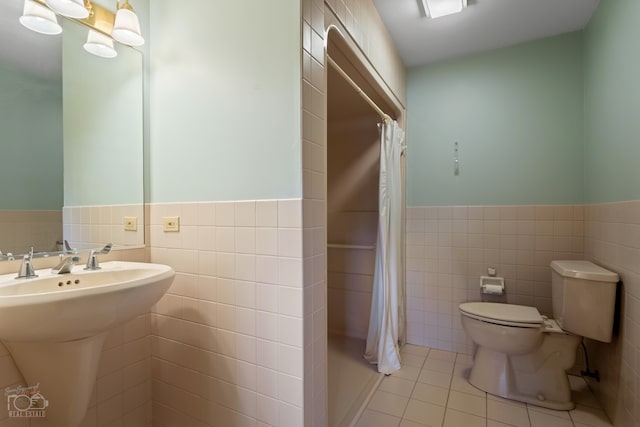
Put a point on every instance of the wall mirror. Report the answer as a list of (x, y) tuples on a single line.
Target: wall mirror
[(71, 126)]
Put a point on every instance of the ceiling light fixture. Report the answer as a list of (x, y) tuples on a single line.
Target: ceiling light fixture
[(126, 28), (69, 8), (39, 18), (104, 25), (437, 8), (100, 45)]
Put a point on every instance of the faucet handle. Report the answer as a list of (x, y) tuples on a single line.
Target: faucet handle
[(26, 268), (92, 261), (68, 248)]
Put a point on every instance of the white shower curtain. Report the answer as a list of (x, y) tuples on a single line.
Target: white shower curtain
[(387, 302)]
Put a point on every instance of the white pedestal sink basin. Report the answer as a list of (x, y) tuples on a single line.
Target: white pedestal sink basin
[(55, 325)]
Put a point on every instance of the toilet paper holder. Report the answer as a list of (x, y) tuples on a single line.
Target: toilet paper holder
[(491, 284)]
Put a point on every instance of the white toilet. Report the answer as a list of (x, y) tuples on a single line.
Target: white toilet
[(524, 356)]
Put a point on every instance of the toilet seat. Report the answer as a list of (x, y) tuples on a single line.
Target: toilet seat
[(503, 314)]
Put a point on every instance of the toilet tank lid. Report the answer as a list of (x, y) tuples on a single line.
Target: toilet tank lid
[(584, 270), (503, 312)]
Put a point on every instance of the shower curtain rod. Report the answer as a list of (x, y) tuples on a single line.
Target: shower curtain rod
[(364, 96)]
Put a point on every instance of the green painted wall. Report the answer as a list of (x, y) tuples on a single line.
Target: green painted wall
[(612, 103), (103, 124), (31, 141), (225, 101), (517, 114)]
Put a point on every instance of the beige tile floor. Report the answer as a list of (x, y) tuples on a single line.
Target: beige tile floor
[(431, 389)]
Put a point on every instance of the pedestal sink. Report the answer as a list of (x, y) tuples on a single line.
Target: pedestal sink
[(55, 325)]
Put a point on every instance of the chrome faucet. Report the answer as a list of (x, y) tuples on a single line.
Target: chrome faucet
[(68, 249), (92, 261), (65, 264), (26, 268)]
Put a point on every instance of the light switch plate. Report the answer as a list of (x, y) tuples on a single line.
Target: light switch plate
[(171, 223), (130, 223)]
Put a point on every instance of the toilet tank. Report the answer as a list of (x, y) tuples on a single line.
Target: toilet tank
[(584, 298)]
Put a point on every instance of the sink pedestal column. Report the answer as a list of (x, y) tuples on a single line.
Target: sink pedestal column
[(66, 372)]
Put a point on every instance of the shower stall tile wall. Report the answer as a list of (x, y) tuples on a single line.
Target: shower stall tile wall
[(450, 247), (353, 165)]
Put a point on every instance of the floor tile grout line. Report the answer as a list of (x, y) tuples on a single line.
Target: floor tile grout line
[(450, 384), (415, 381)]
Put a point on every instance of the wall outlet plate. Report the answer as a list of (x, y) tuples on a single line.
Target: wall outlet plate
[(130, 223), (171, 223)]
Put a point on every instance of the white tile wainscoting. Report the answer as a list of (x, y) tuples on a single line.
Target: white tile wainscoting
[(450, 247)]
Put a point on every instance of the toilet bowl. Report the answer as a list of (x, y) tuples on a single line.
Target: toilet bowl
[(524, 356), (520, 354)]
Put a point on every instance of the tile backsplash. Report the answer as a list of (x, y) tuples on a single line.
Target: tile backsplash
[(450, 247), (93, 226), (21, 229)]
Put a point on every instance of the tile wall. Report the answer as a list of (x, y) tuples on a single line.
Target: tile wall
[(92, 226), (363, 24), (227, 339), (612, 239), (245, 320), (349, 290), (314, 216), (450, 247), (23, 229), (121, 395), (353, 162)]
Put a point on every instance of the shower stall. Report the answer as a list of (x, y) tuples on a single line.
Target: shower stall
[(353, 184)]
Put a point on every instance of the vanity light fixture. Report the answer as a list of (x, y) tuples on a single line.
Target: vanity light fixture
[(438, 8), (104, 25), (126, 27), (100, 45), (69, 8), (39, 18)]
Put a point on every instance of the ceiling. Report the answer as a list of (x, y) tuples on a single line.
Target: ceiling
[(482, 26)]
